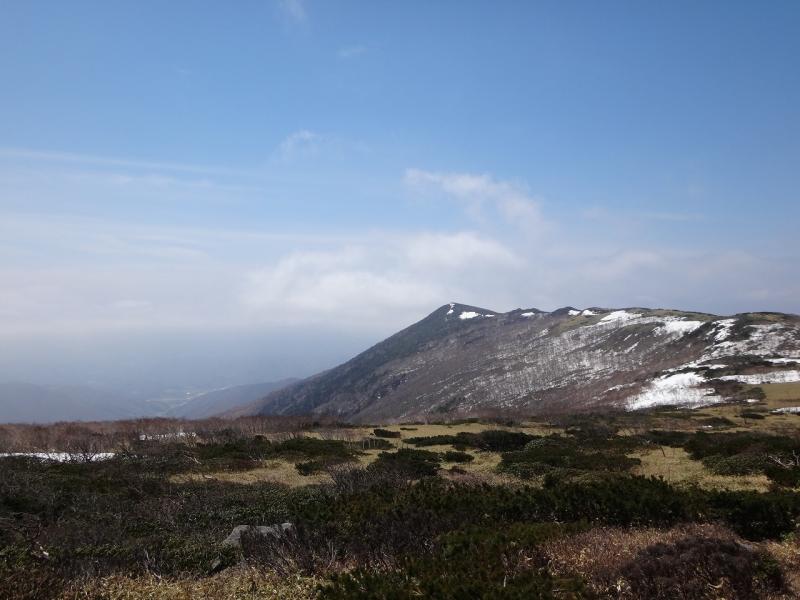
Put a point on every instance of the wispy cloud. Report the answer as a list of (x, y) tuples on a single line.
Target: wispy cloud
[(477, 192), (349, 52), (106, 161), (294, 9), (302, 142)]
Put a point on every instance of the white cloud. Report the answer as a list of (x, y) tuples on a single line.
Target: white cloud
[(299, 143), (294, 9), (479, 193), (391, 278), (351, 52)]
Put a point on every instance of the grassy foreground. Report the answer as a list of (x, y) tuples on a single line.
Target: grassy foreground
[(667, 504)]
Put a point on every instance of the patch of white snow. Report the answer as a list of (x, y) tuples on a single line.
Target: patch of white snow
[(468, 314), (62, 456), (773, 377), (682, 389), (619, 315), (677, 326)]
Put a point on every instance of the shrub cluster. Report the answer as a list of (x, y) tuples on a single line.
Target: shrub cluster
[(385, 433), (555, 453), (492, 440)]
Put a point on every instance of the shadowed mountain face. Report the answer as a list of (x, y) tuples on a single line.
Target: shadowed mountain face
[(468, 360)]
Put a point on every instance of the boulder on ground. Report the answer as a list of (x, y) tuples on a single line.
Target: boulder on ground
[(235, 538)]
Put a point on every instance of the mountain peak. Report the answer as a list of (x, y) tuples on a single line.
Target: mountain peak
[(464, 359)]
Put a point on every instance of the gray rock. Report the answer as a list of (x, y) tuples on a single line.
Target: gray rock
[(235, 538)]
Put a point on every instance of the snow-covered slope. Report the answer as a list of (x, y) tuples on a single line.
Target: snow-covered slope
[(467, 360)]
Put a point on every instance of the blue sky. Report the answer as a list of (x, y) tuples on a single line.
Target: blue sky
[(340, 169)]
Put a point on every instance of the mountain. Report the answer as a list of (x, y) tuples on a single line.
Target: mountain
[(467, 360), (223, 400), (30, 403)]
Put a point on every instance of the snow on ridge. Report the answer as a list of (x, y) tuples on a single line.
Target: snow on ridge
[(452, 306), (677, 326), (772, 377), (528, 314), (588, 313), (761, 340), (574, 313), (619, 315), (62, 456), (723, 329), (679, 389)]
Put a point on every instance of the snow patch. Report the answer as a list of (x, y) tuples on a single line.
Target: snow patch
[(574, 313), (62, 456), (773, 377), (528, 314), (588, 313), (788, 409), (722, 329), (468, 314), (677, 326), (452, 306), (680, 389), (619, 315)]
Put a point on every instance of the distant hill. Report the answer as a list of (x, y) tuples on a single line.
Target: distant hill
[(30, 403), (466, 360), (220, 401)]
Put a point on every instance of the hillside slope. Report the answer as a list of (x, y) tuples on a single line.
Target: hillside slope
[(466, 360)]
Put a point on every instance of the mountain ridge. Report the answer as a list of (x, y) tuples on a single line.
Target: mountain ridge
[(461, 359)]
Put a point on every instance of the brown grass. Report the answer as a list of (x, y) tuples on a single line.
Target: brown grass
[(675, 466), (241, 583), (598, 555), (274, 471)]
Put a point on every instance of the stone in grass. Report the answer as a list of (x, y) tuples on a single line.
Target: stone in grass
[(234, 540)]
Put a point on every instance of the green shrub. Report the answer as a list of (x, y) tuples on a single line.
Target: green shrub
[(408, 462), (385, 433), (459, 457), (546, 455), (702, 444), (737, 464), (492, 440), (749, 414), (783, 476)]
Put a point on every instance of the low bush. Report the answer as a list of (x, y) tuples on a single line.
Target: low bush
[(385, 433), (409, 462), (491, 440), (691, 568), (737, 464), (786, 477), (702, 444), (547, 455), (749, 414), (459, 457)]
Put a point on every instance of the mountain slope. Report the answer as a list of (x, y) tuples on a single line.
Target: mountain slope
[(463, 360), (223, 400)]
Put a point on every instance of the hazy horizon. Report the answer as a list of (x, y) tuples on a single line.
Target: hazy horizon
[(193, 196)]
